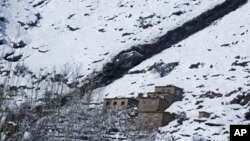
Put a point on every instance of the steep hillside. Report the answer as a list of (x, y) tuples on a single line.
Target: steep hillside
[(213, 68), (44, 39), (91, 32)]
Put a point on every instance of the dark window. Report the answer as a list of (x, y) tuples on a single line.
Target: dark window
[(107, 103), (115, 103), (123, 103)]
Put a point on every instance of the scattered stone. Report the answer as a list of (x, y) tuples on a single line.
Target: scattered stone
[(214, 124), (162, 68), (72, 28), (211, 95), (243, 64), (195, 66)]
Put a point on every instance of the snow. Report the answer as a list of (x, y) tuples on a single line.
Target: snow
[(26, 136)]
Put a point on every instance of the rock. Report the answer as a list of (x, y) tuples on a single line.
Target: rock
[(243, 64), (241, 99), (162, 68), (247, 115), (211, 95), (137, 71), (178, 13), (14, 58), (128, 60), (72, 28), (214, 124), (126, 34), (195, 66)]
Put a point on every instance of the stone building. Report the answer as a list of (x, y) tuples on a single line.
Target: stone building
[(120, 103), (157, 119), (151, 108), (153, 104), (169, 92)]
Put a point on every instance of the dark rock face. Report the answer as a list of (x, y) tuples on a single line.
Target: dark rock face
[(2, 19), (214, 124), (242, 100), (247, 115), (9, 57), (116, 69), (211, 95), (195, 66), (162, 68), (20, 44), (128, 59), (242, 64)]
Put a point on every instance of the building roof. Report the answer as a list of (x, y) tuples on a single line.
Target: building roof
[(168, 86), (154, 112), (149, 98), (122, 98)]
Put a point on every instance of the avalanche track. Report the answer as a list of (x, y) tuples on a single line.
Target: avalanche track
[(127, 59)]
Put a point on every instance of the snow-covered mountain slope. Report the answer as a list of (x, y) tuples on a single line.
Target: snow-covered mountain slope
[(91, 32), (213, 60), (45, 35), (212, 66)]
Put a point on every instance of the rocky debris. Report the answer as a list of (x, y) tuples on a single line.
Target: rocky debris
[(2, 41), (20, 44), (36, 21), (162, 68), (70, 16), (127, 60), (32, 23), (2, 19), (97, 61), (242, 100), (43, 51), (200, 120), (200, 86), (211, 95), (247, 115), (242, 64), (214, 124), (102, 30), (137, 71), (72, 28), (196, 66), (39, 3), (144, 22), (199, 128), (72, 84), (225, 45), (12, 58), (178, 13), (233, 92), (126, 34)]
